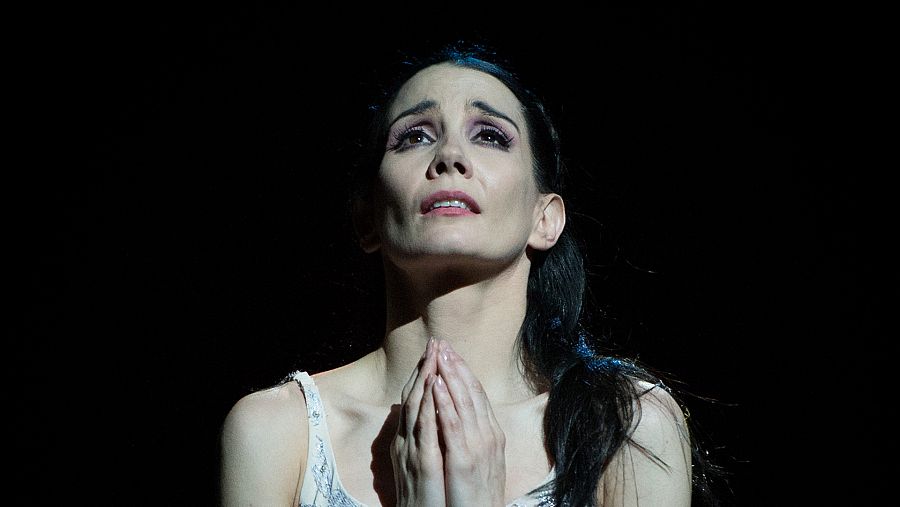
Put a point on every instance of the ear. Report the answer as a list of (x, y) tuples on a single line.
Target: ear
[(364, 225), (551, 220)]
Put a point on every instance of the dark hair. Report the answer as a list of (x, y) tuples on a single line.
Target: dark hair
[(592, 396)]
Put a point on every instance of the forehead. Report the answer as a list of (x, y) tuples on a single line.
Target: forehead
[(452, 86)]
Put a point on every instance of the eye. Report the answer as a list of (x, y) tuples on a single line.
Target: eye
[(492, 136), (410, 138), (416, 137)]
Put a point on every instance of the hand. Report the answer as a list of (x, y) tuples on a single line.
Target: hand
[(474, 445), (415, 450)]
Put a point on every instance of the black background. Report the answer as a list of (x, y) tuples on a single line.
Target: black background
[(180, 222)]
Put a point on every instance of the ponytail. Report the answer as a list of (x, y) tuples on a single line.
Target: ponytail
[(590, 410)]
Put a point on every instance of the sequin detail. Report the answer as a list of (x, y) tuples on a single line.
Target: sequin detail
[(323, 474), (313, 402), (541, 496), (545, 499)]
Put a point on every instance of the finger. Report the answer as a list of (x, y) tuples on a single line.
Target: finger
[(426, 421), (447, 418), (465, 390), (402, 419), (410, 405), (412, 377)]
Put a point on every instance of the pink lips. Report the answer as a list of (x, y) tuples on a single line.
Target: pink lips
[(449, 195)]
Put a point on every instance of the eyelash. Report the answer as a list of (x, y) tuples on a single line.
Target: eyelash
[(502, 143), (403, 135)]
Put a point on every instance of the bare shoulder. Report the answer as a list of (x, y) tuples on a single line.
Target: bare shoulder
[(264, 444), (658, 410), (272, 413), (654, 468), (660, 423)]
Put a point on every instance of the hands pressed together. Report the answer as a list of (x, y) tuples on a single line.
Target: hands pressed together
[(449, 449)]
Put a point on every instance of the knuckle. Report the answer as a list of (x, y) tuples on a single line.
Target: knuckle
[(465, 467), (418, 430), (428, 456), (398, 457), (454, 426)]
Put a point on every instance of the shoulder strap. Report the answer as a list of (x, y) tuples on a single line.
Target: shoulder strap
[(323, 486), (314, 409)]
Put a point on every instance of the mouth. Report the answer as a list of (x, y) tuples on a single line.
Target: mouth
[(450, 202)]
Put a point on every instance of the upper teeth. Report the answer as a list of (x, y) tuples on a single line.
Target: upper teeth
[(454, 203)]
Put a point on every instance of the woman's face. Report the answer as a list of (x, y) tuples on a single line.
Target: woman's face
[(457, 130)]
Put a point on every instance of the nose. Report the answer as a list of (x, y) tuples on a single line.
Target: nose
[(450, 156)]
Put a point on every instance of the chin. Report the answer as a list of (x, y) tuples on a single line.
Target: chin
[(452, 258)]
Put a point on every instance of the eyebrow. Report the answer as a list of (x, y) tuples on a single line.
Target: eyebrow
[(490, 111), (427, 105), (419, 108)]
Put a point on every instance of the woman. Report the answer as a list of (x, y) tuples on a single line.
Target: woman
[(485, 390)]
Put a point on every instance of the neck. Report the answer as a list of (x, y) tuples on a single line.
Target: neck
[(480, 316)]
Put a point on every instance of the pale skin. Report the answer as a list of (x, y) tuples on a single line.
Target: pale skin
[(449, 421)]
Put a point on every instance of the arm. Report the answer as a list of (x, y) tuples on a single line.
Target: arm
[(635, 476), (264, 446)]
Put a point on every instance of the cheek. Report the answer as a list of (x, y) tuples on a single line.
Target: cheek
[(395, 186), (403, 172), (516, 194), (512, 175), (391, 183)]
